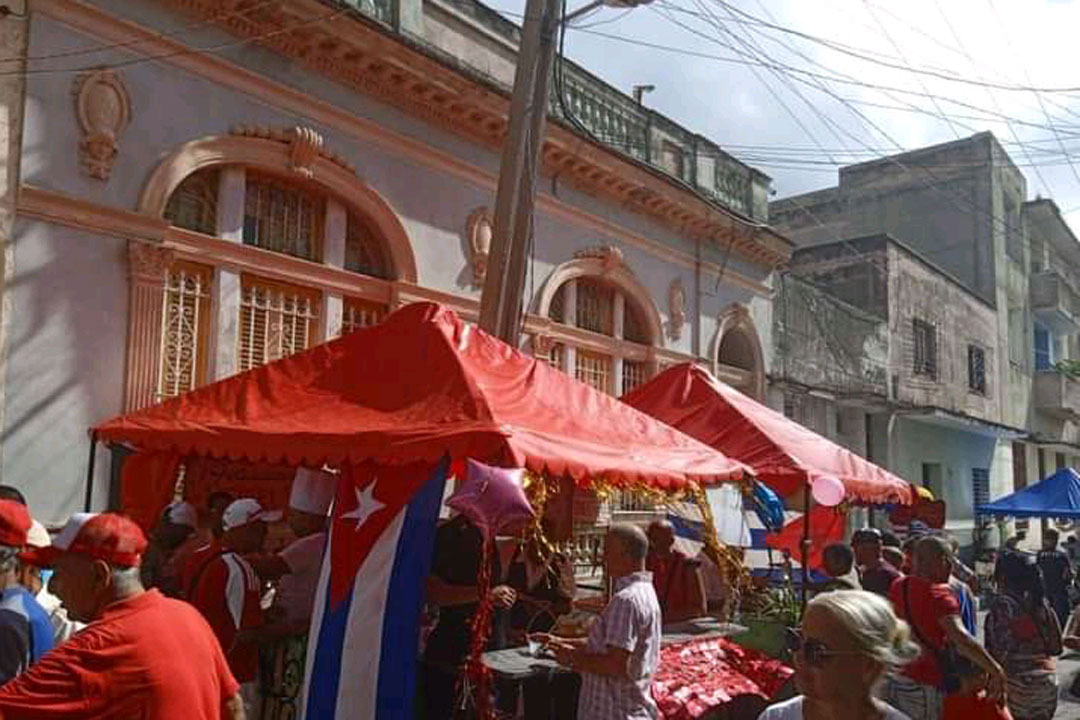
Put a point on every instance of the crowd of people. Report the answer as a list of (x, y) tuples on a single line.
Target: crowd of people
[(100, 622), (891, 634)]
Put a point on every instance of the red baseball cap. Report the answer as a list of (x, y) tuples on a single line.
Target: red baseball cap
[(14, 523), (102, 536)]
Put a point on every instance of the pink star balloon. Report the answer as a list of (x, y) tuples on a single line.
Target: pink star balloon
[(492, 498)]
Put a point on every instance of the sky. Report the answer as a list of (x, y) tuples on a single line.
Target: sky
[(798, 88)]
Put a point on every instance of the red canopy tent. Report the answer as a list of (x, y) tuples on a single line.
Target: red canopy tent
[(418, 386), (783, 454)]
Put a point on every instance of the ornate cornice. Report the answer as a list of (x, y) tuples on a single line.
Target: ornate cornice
[(370, 60), (304, 143)]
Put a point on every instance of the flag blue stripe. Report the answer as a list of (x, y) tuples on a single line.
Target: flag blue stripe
[(326, 670), (408, 578)]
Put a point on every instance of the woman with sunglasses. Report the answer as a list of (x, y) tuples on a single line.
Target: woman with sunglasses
[(849, 639)]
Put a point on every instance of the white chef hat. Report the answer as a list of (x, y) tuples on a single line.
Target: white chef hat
[(312, 491)]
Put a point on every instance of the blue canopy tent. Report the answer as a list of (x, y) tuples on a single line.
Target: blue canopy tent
[(1058, 496)]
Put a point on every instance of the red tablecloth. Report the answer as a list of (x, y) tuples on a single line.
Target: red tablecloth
[(700, 675)]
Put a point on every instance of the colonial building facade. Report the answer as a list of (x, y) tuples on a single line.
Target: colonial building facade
[(206, 186)]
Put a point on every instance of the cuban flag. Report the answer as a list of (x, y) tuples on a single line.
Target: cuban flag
[(364, 637)]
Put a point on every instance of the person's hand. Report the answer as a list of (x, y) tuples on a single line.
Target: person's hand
[(564, 654), (504, 596), (545, 639), (996, 687)]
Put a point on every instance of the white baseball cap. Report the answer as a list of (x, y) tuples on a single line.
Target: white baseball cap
[(246, 511), (182, 513), (38, 536), (312, 491)]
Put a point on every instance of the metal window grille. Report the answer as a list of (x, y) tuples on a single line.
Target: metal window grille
[(555, 356), (356, 314), (363, 251), (280, 218), (185, 312), (275, 321), (980, 485), (593, 369), (595, 306), (634, 373), (925, 347), (193, 204), (976, 369)]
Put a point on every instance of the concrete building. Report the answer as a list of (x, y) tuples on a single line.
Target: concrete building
[(972, 427), (195, 187)]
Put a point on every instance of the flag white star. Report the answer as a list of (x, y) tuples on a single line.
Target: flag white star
[(366, 506)]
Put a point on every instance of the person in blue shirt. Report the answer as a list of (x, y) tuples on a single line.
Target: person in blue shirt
[(26, 633)]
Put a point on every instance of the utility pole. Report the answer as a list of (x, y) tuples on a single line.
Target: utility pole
[(504, 285)]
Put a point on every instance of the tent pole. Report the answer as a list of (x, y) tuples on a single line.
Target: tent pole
[(90, 472), (804, 551)]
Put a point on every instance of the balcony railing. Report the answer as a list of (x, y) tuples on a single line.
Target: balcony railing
[(619, 122), (1054, 302), (1057, 394)]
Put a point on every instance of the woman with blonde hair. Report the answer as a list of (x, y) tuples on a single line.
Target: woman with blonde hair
[(849, 640)]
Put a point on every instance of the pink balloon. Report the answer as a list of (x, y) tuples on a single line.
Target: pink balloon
[(828, 491), (492, 498)]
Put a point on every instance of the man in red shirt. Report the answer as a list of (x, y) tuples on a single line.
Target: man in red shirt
[(676, 578), (142, 655), (226, 589), (925, 600)]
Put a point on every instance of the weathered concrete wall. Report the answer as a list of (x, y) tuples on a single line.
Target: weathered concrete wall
[(919, 292)]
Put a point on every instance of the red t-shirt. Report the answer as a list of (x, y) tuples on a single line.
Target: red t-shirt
[(929, 603), (147, 657), (673, 580), (227, 594)]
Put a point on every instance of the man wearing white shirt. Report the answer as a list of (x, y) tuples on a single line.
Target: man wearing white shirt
[(30, 578)]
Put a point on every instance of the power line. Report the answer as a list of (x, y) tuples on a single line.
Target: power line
[(862, 55), (178, 53)]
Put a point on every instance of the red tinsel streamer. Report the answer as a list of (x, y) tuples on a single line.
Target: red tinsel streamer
[(477, 675)]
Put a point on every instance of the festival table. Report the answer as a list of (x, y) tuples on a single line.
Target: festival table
[(700, 669)]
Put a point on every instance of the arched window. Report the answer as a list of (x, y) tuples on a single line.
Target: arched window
[(597, 294), (275, 318), (737, 351)]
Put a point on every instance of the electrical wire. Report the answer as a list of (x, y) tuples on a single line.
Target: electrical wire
[(183, 30)]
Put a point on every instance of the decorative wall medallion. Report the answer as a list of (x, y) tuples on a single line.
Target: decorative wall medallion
[(676, 308), (478, 230), (610, 257), (103, 109)]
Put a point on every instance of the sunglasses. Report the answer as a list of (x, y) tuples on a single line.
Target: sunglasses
[(814, 653)]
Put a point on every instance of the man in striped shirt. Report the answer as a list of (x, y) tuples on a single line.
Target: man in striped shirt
[(620, 657), (226, 589)]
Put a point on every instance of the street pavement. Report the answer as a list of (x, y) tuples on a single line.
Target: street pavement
[(1068, 667)]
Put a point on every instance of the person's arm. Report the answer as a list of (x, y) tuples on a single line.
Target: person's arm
[(612, 662), (970, 648), (234, 708), (1052, 630), (443, 594)]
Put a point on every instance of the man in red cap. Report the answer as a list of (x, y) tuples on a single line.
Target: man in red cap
[(25, 630), (142, 655), (226, 589)]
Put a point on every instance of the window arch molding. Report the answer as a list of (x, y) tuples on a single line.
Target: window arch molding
[(283, 158), (605, 264), (735, 323)]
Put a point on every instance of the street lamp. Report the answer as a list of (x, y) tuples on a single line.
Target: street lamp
[(504, 285)]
